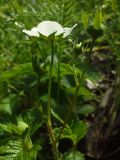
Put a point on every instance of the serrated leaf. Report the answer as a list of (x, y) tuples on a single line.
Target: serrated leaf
[(5, 128), (22, 126), (76, 131), (65, 69), (12, 128), (79, 129), (73, 156), (16, 150)]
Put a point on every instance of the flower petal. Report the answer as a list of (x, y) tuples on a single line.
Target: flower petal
[(46, 28), (68, 30), (32, 32)]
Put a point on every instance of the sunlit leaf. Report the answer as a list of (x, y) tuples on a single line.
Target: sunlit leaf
[(85, 19), (5, 105), (98, 19)]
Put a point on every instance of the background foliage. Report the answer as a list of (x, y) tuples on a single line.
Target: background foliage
[(23, 134)]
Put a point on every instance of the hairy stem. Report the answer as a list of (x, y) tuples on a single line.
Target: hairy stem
[(58, 86), (49, 83), (49, 123)]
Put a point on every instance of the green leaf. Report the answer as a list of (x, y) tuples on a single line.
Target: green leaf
[(85, 19), (86, 109), (76, 131), (19, 70), (85, 93), (16, 147), (93, 74), (22, 125), (98, 19), (65, 69), (19, 150), (73, 156), (34, 119), (57, 116), (79, 129), (11, 150), (82, 92), (5, 105), (14, 129), (5, 128)]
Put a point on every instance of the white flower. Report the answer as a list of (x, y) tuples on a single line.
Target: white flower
[(68, 30), (47, 28), (32, 32)]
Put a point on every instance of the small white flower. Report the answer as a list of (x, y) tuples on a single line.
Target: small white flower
[(32, 32), (91, 85), (18, 24), (47, 28)]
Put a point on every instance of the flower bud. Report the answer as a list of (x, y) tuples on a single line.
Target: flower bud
[(95, 33)]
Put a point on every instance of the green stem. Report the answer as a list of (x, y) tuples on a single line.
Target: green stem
[(49, 83), (58, 86), (53, 141), (92, 45), (37, 92), (74, 101), (49, 123), (72, 106), (74, 150), (91, 48)]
